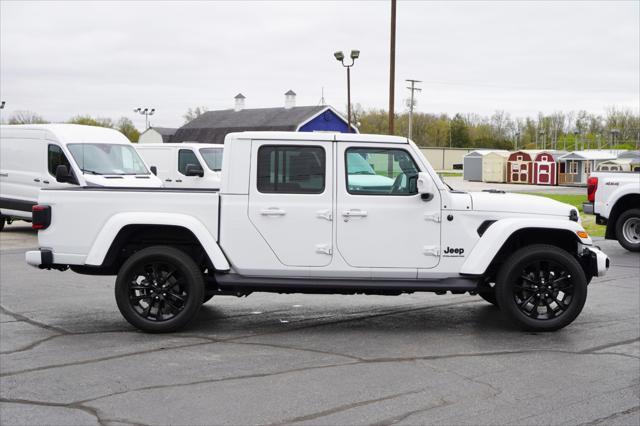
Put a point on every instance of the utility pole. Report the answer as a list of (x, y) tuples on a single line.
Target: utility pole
[(411, 103), (392, 66)]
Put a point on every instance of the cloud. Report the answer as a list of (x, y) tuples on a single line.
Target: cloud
[(106, 58)]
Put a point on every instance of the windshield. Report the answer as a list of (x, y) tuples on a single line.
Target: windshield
[(107, 159), (213, 158), (358, 165)]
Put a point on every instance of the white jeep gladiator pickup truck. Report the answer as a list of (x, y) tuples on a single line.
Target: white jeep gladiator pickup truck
[(320, 213), (614, 197)]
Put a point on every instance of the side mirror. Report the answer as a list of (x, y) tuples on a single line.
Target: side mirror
[(194, 170), (63, 176), (426, 187), (154, 170)]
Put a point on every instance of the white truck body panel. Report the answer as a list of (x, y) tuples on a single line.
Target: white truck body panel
[(612, 186)]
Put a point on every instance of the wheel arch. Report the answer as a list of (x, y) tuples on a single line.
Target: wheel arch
[(625, 202), (506, 236), (127, 233)]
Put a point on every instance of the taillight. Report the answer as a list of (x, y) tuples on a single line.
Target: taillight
[(592, 187), (41, 217)]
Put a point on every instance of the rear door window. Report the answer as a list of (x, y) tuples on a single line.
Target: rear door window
[(290, 169)]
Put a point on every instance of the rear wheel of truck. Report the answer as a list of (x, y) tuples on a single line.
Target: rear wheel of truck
[(159, 289), (1, 223), (541, 288), (628, 229)]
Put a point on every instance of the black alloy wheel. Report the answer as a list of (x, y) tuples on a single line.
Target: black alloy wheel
[(541, 288), (159, 289)]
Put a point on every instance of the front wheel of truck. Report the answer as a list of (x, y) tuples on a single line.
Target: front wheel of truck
[(159, 289), (541, 288)]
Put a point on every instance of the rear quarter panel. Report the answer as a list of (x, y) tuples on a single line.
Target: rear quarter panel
[(79, 216)]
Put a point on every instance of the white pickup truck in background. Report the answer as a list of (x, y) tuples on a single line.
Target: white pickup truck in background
[(320, 213), (614, 197)]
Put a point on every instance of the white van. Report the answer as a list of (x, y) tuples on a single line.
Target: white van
[(184, 165), (31, 156)]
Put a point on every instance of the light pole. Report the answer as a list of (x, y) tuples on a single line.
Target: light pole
[(576, 146), (517, 140), (146, 112), (543, 140), (411, 102), (355, 54)]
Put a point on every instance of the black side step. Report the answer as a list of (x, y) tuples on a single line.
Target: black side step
[(235, 282)]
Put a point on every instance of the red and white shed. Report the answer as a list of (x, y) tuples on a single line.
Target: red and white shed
[(545, 167), (520, 166)]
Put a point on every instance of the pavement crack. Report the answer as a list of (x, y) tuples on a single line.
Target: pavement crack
[(609, 345), (31, 345), (106, 358), (74, 406), (345, 407), (218, 380), (613, 416), (397, 419), (22, 318)]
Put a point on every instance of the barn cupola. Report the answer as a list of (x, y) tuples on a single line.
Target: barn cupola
[(289, 99), (239, 102)]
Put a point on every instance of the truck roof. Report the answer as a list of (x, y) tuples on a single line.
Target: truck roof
[(318, 136), (72, 133), (194, 145)]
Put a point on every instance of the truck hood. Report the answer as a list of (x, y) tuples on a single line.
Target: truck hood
[(519, 203), (124, 181)]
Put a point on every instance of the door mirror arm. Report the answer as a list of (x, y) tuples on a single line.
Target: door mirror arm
[(426, 187), (154, 170)]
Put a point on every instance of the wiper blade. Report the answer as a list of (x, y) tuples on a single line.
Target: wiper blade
[(93, 172)]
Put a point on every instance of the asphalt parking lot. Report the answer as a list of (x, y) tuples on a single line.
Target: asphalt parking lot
[(69, 358)]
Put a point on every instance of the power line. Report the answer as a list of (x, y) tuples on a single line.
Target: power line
[(413, 89)]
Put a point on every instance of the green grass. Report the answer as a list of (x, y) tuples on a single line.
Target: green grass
[(588, 220)]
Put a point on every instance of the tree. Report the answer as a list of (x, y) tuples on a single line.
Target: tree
[(26, 117), (194, 113), (126, 127), (459, 132), (87, 120)]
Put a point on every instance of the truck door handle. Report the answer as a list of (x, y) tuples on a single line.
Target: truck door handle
[(179, 180), (45, 181), (36, 180), (167, 180), (4, 174), (273, 211), (354, 213)]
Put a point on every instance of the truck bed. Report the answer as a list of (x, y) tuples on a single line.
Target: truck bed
[(81, 214)]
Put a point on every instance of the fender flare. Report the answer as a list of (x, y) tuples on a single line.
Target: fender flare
[(616, 196), (118, 221), (499, 232)]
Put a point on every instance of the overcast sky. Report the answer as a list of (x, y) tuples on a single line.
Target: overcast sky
[(60, 59)]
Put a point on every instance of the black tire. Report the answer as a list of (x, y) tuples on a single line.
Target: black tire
[(159, 289), (489, 294), (1, 223), (628, 229), (207, 297), (541, 288)]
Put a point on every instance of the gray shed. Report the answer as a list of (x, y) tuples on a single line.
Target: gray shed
[(472, 164)]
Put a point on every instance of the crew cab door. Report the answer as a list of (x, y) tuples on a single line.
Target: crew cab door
[(291, 200), (382, 221)]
